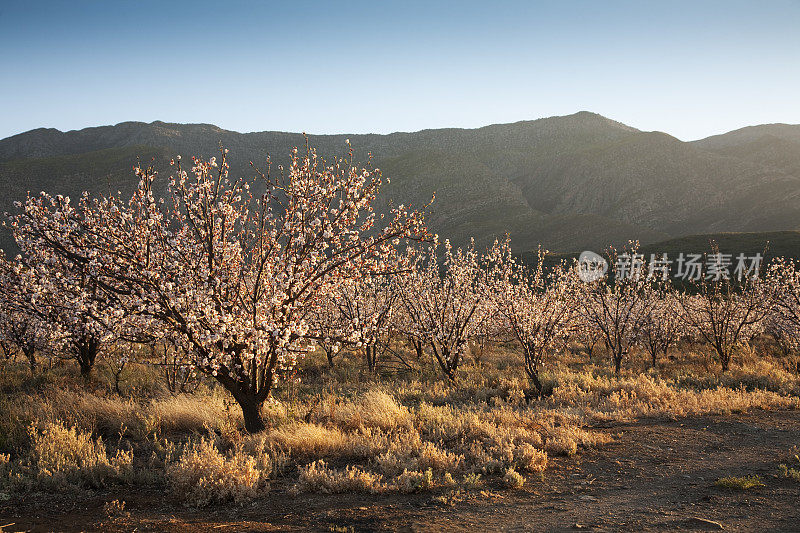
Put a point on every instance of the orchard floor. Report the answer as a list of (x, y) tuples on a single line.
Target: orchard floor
[(657, 475)]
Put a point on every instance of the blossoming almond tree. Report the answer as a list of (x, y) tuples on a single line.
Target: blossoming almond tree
[(663, 325), (616, 307), (445, 303), (230, 275), (59, 286), (20, 326), (368, 304), (329, 328), (724, 313), (537, 307), (783, 320)]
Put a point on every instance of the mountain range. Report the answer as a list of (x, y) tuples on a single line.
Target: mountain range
[(573, 182)]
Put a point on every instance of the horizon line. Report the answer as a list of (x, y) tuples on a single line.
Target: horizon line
[(398, 132)]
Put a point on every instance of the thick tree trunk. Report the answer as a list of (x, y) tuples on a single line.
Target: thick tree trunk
[(87, 354), (534, 377), (249, 401), (86, 369), (251, 411)]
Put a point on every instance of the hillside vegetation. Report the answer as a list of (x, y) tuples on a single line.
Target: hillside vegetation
[(575, 182)]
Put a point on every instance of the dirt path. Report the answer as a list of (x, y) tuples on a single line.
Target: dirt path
[(658, 475)]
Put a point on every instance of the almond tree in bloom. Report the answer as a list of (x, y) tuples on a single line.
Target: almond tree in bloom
[(537, 307), (724, 313), (329, 328), (783, 321), (228, 275), (368, 305), (663, 325), (20, 327), (445, 303), (616, 307), (57, 278)]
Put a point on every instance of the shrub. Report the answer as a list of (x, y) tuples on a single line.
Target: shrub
[(513, 479), (414, 481), (374, 409), (739, 483), (530, 459), (318, 477), (472, 480), (561, 444), (203, 475), (61, 455), (789, 473)]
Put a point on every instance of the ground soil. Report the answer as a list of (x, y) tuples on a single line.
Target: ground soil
[(657, 475)]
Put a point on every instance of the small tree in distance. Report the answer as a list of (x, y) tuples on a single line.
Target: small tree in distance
[(725, 313), (537, 307), (663, 325), (445, 302), (617, 306)]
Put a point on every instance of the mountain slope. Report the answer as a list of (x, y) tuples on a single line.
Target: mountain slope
[(569, 183)]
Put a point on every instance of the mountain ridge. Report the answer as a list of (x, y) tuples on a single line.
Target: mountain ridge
[(579, 180)]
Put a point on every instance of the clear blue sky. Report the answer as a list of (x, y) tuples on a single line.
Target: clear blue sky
[(690, 69)]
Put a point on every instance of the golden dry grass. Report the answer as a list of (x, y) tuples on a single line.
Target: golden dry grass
[(403, 434)]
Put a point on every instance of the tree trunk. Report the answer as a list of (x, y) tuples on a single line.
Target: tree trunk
[(86, 370), (370, 351), (87, 354), (448, 367), (534, 377), (251, 411), (617, 363), (249, 401), (31, 355), (417, 347)]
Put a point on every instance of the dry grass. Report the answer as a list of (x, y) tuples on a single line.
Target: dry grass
[(407, 434), (60, 456), (203, 475), (318, 477)]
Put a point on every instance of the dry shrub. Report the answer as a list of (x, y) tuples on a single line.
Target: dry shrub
[(449, 423), (433, 457), (530, 459), (203, 475), (629, 398), (414, 481), (82, 410), (190, 413), (60, 455), (513, 479), (561, 444), (318, 477), (5, 466)]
